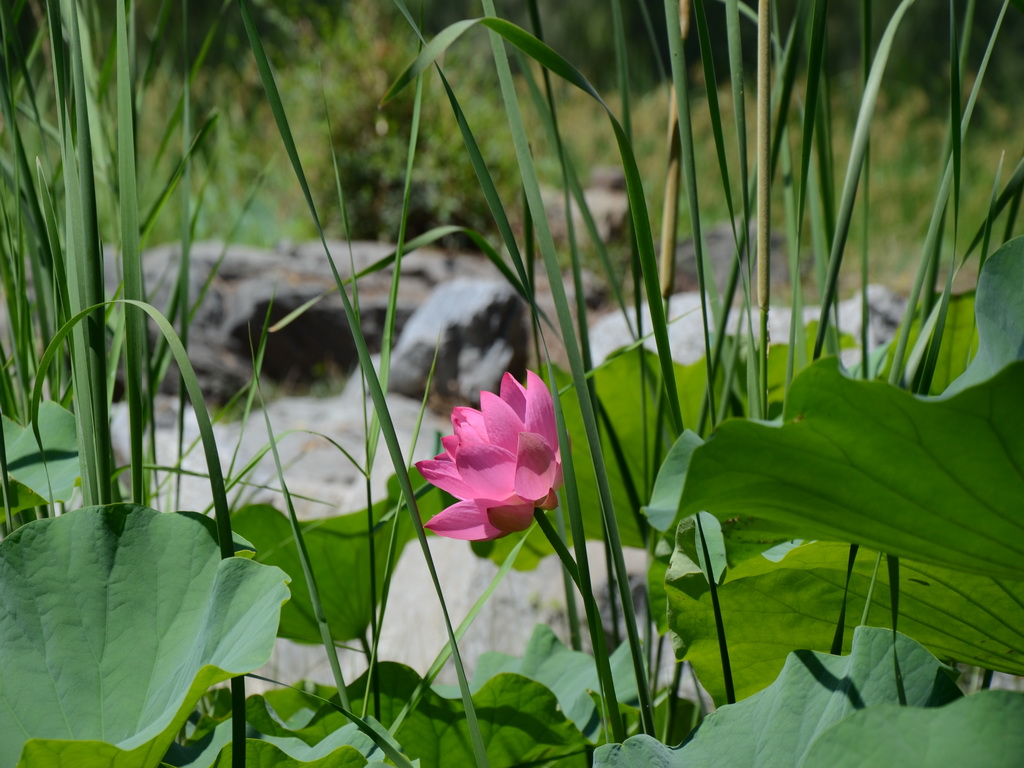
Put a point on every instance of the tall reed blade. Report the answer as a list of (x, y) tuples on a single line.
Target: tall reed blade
[(136, 360), (857, 154), (764, 188), (366, 366)]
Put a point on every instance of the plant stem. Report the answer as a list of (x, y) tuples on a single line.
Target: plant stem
[(764, 183)]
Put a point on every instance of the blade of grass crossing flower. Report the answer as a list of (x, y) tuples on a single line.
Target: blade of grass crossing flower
[(445, 653), (548, 58), (935, 224), (377, 620), (366, 365), (392, 306), (549, 112), (541, 53), (593, 620), (861, 134), (136, 361), (569, 496), (545, 106)]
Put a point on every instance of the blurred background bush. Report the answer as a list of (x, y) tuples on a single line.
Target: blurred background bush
[(341, 56)]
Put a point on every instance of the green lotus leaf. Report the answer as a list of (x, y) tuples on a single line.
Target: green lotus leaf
[(113, 623), (937, 481), (982, 731), (570, 675), (999, 315), (45, 475), (772, 608), (813, 692), (340, 556), (520, 721)]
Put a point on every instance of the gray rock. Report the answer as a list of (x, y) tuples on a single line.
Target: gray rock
[(478, 329), (720, 253), (607, 177), (608, 206), (236, 285), (686, 327)]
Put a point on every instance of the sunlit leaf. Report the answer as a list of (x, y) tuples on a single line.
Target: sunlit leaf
[(115, 620), (773, 608), (937, 481), (340, 555), (813, 692)]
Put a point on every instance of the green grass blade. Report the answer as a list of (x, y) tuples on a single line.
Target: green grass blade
[(172, 182), (547, 57), (675, 41), (1011, 193), (300, 544), (136, 361), (935, 224), (366, 364), (857, 153), (764, 192), (445, 654)]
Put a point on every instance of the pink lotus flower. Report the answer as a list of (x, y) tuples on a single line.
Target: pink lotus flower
[(501, 463)]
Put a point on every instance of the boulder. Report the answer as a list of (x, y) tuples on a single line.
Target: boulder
[(686, 327), (720, 253), (478, 330), (231, 288), (606, 200)]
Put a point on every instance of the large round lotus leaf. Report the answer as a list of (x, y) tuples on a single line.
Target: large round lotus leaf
[(113, 622), (770, 609), (814, 691), (980, 731), (936, 481)]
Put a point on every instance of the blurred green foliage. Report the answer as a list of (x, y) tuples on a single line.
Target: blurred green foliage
[(341, 56)]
